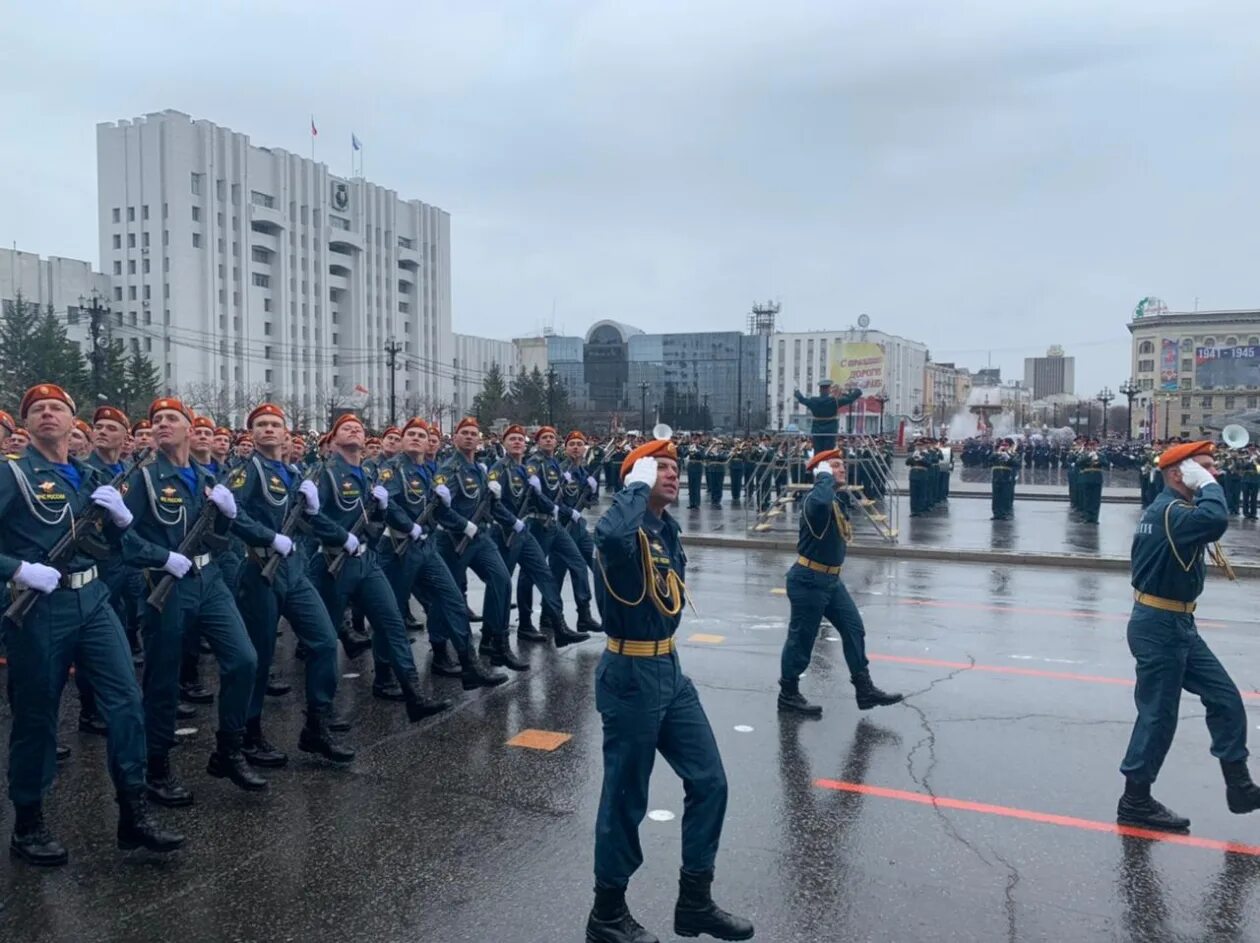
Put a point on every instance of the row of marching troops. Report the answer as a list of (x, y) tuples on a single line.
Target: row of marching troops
[(188, 535), (1238, 471), (931, 466), (1039, 452)]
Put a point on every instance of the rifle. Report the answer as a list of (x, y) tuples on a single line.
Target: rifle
[(200, 533), (292, 520), (66, 546)]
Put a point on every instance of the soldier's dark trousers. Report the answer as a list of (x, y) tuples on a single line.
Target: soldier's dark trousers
[(292, 596), (562, 557), (823, 441), (610, 477), (526, 551), (1172, 657), (737, 479), (63, 627), (581, 535), (814, 596), (362, 582), (919, 501), (716, 477), (1089, 491), (199, 599), (421, 572), (648, 704), (1250, 493), (695, 483), (1233, 493), (483, 558), (1003, 497), (1074, 498)]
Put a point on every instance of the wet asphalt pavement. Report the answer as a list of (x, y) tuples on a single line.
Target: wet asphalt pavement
[(1019, 707)]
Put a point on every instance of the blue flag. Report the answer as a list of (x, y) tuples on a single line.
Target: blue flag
[(354, 142)]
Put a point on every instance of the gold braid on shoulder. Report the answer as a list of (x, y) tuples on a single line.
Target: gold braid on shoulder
[(666, 592)]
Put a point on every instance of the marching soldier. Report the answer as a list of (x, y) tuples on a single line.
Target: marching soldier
[(581, 488), (694, 457), (715, 470), (648, 704), (348, 571), (1168, 573), (1089, 476), (221, 447), (815, 591), (391, 442), (920, 480), (265, 488), (825, 408), (414, 567), (737, 471), (18, 442), (1005, 472), (7, 427), (80, 440), (43, 492), (167, 502), (1250, 482)]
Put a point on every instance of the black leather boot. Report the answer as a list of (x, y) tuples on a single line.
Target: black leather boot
[(196, 693), (354, 644), (137, 828), (610, 920), (547, 620), (277, 687), (227, 762), (695, 912), (444, 666), (501, 655), (256, 749), (32, 841), (384, 687), (793, 702), (419, 706), (586, 622), (868, 695), (92, 722), (63, 753), (473, 676), (1241, 794), (316, 738), (185, 712), (486, 645), (1138, 809), (162, 785), (564, 635), (525, 630), (411, 625), (472, 616)]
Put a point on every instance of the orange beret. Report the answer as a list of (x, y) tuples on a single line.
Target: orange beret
[(266, 409), (203, 422), (543, 430), (468, 421), (7, 421), (372, 439), (44, 391), (223, 431), (575, 434), (823, 456), (113, 414), (514, 429), (415, 422), (244, 437), (435, 428), (171, 403), (1177, 454), (342, 420), (659, 448), (298, 439), (140, 425), (392, 430), (83, 427)]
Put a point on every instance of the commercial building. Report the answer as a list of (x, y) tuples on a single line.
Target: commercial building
[(474, 356), (1195, 371), (256, 272), (1050, 375), (945, 388), (68, 285), (882, 365)]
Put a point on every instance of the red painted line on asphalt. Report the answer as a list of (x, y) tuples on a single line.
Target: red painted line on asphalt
[(1044, 818), (1024, 672), (1031, 610)]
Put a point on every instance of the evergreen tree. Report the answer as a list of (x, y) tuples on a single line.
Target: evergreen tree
[(55, 358), (143, 382), (492, 402), (527, 396), (18, 324)]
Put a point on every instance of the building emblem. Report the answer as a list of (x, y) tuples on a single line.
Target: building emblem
[(340, 196)]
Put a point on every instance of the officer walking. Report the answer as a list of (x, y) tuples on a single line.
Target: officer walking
[(648, 704), (1168, 573), (43, 492), (815, 591)]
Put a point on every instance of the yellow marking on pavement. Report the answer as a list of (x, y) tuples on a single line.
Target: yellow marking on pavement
[(778, 591), (545, 740), (706, 638)]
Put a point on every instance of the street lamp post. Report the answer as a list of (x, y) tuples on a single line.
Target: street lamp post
[(1105, 396), (882, 398), (1129, 390), (643, 388)]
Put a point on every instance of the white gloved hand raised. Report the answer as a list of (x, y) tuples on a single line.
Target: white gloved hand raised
[(177, 565), (381, 496), (282, 545), (496, 489), (310, 494), (111, 499), (221, 498), (444, 494), (643, 472), (37, 576), (822, 470), (1195, 475)]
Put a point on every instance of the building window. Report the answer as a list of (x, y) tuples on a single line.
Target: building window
[(267, 353), (1146, 366), (196, 185), (117, 241), (1187, 343), (117, 290), (1206, 402), (117, 267), (1146, 347), (144, 240), (196, 214), (236, 194), (338, 222), (131, 214), (131, 240), (267, 307), (1229, 402), (1187, 364), (1209, 342), (260, 254), (404, 307), (145, 266), (261, 280), (117, 215), (196, 237), (166, 237), (220, 190), (1231, 342), (131, 266), (1251, 402), (144, 212), (267, 328), (1185, 383), (262, 199), (147, 289)]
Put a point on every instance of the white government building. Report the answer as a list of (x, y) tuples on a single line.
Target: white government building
[(253, 271)]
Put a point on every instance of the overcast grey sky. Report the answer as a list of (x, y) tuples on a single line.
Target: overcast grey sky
[(983, 176)]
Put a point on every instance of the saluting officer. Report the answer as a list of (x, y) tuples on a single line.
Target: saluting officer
[(167, 501), (1168, 566), (815, 591), (580, 490), (265, 488), (43, 493), (648, 704)]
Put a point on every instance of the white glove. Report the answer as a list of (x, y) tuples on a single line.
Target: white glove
[(351, 545), (282, 545), (592, 483), (221, 498), (310, 493), (109, 498), (482, 466), (37, 576), (519, 525), (177, 565), (1195, 475), (575, 515), (568, 478), (496, 489), (416, 531), (823, 470), (644, 471), (381, 496), (535, 483), (555, 511), (444, 494), (470, 530)]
